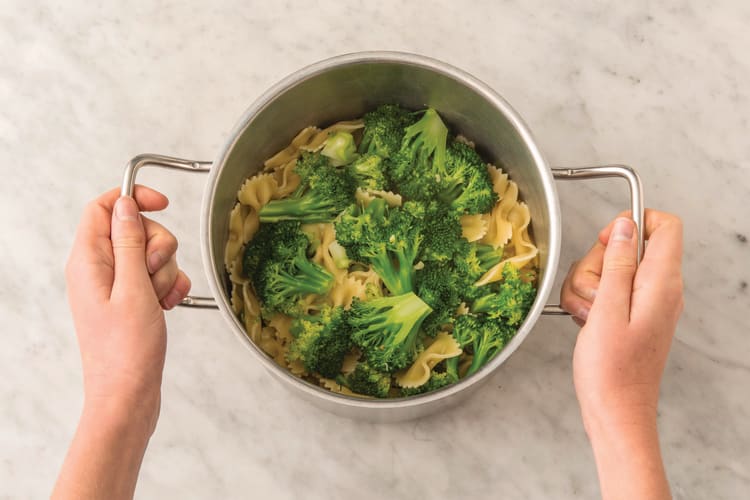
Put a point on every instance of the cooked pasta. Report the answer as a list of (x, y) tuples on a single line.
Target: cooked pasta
[(418, 374), (345, 280), (258, 190)]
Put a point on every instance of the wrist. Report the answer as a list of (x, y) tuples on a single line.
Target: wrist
[(135, 415), (627, 454)]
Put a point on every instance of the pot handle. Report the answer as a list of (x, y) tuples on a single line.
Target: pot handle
[(152, 160), (636, 202)]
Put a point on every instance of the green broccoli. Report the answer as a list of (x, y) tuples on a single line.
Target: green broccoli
[(367, 381), (472, 261), (321, 341), (442, 234), (386, 238), (384, 130), (417, 167), (436, 381), (464, 331), (340, 148), (440, 287), (511, 301), (281, 284), (386, 329), (465, 184), (322, 194), (338, 253), (427, 167), (280, 241), (487, 337), (368, 172)]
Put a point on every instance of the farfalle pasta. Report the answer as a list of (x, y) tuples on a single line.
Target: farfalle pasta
[(358, 271)]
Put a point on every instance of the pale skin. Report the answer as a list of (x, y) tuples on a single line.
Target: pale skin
[(122, 274), (628, 317)]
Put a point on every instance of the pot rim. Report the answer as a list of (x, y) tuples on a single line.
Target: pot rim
[(548, 184)]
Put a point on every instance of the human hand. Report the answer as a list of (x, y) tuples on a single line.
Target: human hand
[(121, 273), (629, 315)]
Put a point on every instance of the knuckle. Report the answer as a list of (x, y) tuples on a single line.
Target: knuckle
[(620, 264), (579, 282), (129, 241)]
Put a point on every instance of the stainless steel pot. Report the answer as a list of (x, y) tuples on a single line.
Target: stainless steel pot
[(347, 86)]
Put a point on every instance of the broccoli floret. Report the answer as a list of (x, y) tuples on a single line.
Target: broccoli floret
[(340, 148), (442, 234), (368, 172), (281, 284), (322, 194), (386, 238), (386, 329), (355, 224), (438, 286), (272, 242), (487, 337), (417, 167), (465, 185), (426, 167), (436, 381), (384, 130), (321, 341), (367, 381), (471, 262), (511, 301), (276, 262), (425, 140), (464, 331)]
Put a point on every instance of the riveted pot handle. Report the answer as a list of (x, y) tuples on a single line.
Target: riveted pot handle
[(128, 184), (636, 202)]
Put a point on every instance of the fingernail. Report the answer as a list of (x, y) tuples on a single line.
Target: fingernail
[(623, 230), (154, 262), (582, 313), (126, 209)]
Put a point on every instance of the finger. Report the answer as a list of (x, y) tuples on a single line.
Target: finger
[(578, 321), (652, 219), (658, 283), (91, 258), (618, 269), (179, 291), (161, 245), (129, 248), (584, 282), (164, 279), (97, 214), (570, 300)]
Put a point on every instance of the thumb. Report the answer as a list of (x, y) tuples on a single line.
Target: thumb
[(129, 247), (618, 270)]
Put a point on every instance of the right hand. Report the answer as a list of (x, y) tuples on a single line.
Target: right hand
[(628, 315), (121, 274)]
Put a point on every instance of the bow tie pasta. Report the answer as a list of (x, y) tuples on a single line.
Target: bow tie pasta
[(380, 257)]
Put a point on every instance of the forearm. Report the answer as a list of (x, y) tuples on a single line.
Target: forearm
[(628, 458), (105, 455)]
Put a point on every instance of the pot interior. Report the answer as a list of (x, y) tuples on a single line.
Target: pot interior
[(346, 88)]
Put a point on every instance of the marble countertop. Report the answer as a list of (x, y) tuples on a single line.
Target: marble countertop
[(85, 86)]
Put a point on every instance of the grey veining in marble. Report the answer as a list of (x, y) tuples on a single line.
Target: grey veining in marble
[(662, 86)]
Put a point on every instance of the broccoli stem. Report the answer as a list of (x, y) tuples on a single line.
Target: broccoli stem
[(397, 278), (306, 208), (311, 278)]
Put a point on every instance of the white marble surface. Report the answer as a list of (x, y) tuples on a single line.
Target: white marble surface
[(86, 85)]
